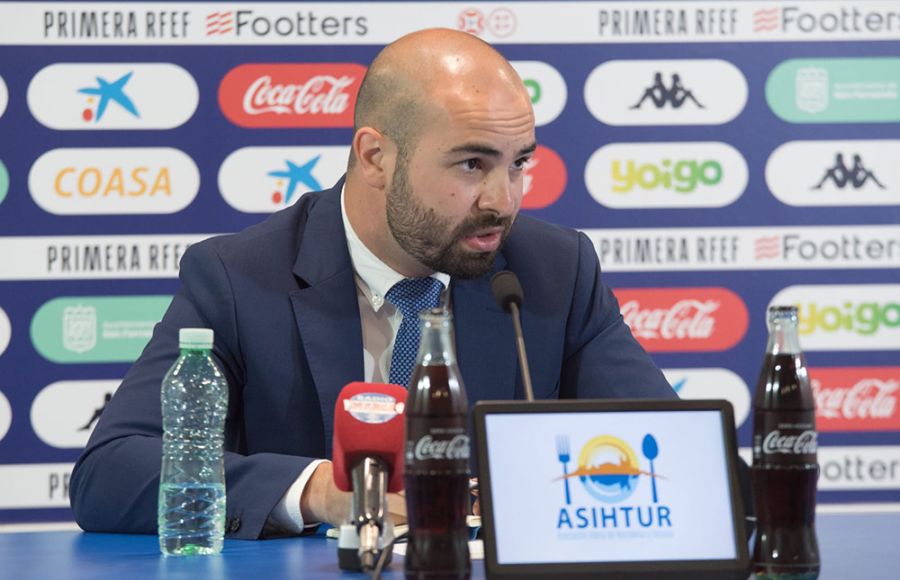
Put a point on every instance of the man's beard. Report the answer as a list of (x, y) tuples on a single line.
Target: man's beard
[(428, 237)]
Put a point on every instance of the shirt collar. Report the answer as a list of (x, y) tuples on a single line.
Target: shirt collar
[(375, 276)]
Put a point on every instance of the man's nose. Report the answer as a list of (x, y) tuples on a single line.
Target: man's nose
[(500, 195)]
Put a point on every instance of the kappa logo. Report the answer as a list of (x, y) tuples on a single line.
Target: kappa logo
[(675, 95), (112, 96), (665, 92), (65, 413), (266, 179), (840, 175)]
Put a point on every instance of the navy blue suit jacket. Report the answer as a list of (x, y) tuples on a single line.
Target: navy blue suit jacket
[(282, 300)]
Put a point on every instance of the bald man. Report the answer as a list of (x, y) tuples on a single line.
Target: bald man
[(300, 303)]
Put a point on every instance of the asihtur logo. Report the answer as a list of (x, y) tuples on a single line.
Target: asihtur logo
[(94, 181), (96, 329), (838, 90), (100, 96), (846, 317), (652, 175), (266, 179)]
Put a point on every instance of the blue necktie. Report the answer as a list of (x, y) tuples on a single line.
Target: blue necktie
[(410, 296)]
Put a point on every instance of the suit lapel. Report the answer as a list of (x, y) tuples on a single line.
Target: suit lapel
[(326, 306), (485, 341)]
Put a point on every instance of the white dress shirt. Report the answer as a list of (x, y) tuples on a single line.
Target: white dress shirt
[(380, 323)]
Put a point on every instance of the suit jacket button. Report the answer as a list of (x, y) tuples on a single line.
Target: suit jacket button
[(233, 525)]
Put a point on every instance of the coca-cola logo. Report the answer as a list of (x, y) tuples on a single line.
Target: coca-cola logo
[(684, 319), (856, 398), (428, 447), (291, 95), (790, 444)]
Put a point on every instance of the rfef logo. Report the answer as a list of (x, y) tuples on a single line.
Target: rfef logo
[(65, 413), (291, 95), (684, 319), (846, 317), (545, 86), (100, 96), (856, 398), (666, 175), (545, 179), (96, 181), (267, 179), (666, 92), (835, 173)]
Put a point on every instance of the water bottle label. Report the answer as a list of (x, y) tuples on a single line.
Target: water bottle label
[(785, 438)]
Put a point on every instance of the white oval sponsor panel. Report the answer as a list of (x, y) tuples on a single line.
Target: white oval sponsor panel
[(712, 383), (5, 415), (64, 413), (266, 179), (35, 485), (546, 87), (100, 96), (4, 96), (666, 175), (846, 317), (666, 92), (5, 331), (835, 173), (103, 181)]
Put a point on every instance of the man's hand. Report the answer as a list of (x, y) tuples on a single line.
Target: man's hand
[(322, 501)]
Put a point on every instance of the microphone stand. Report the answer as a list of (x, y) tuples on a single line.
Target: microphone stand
[(362, 540), (520, 347)]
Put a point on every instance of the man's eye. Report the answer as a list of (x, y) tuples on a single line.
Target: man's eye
[(521, 163), (470, 164)]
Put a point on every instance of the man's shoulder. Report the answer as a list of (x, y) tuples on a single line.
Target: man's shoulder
[(278, 234), (533, 235)]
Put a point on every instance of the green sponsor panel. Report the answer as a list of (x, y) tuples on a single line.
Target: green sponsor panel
[(96, 329), (4, 181), (836, 90)]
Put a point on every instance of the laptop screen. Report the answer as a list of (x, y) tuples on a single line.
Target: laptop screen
[(582, 482)]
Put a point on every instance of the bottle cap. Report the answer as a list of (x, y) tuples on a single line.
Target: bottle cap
[(197, 338)]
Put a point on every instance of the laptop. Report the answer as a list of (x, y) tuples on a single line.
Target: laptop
[(610, 488)]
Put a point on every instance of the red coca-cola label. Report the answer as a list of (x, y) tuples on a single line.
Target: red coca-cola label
[(684, 319), (856, 398), (544, 180), (784, 438), (291, 95)]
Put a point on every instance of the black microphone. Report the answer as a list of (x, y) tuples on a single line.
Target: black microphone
[(508, 294)]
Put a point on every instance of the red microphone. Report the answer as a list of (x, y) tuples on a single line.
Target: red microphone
[(369, 422)]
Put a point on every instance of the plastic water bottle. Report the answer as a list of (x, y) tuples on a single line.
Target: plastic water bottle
[(192, 479)]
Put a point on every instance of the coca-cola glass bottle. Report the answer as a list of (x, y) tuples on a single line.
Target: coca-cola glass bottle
[(437, 457), (784, 457)]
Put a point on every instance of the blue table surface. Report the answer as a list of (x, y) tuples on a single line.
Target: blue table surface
[(853, 546)]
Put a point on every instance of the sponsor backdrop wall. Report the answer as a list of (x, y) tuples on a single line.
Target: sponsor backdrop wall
[(722, 156)]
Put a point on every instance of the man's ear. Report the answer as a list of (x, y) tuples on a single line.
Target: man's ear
[(372, 151)]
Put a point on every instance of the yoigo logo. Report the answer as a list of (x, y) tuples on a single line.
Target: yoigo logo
[(851, 317), (666, 175), (683, 176), (546, 87), (609, 471)]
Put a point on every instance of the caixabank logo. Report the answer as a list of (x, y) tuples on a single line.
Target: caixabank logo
[(106, 96), (291, 95), (267, 179), (603, 491)]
